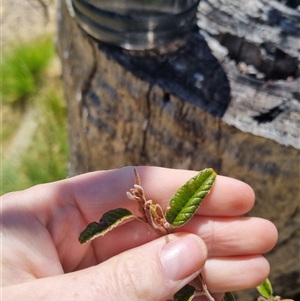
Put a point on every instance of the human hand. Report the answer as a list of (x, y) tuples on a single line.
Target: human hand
[(43, 260)]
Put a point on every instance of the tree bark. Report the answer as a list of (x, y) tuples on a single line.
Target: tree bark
[(226, 97)]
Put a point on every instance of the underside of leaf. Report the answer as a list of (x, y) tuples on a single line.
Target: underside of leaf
[(228, 297), (189, 197), (107, 222), (187, 293)]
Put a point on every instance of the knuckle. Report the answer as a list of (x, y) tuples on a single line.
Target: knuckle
[(134, 279)]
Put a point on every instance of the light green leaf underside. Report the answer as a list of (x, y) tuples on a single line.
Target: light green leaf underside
[(189, 197), (265, 289), (187, 293), (228, 297), (107, 222)]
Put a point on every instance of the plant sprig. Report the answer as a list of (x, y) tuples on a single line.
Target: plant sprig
[(183, 205), (266, 292)]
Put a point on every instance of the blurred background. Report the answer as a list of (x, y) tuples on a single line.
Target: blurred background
[(33, 108)]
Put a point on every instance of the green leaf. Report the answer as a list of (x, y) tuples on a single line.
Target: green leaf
[(107, 222), (265, 289), (187, 293), (189, 197), (228, 297)]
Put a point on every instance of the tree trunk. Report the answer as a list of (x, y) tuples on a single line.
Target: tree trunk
[(226, 97)]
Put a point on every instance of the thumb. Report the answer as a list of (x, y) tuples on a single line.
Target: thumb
[(152, 272)]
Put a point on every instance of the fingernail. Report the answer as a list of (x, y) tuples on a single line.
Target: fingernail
[(183, 256)]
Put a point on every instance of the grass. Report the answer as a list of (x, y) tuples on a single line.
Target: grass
[(33, 134), (23, 68)]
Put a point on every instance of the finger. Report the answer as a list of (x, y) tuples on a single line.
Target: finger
[(223, 237), (234, 236), (228, 197), (154, 272), (236, 273)]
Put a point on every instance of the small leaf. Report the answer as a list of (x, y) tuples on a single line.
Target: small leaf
[(107, 222), (189, 197), (265, 289), (187, 293), (228, 297)]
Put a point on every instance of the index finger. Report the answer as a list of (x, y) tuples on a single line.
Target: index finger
[(106, 190)]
